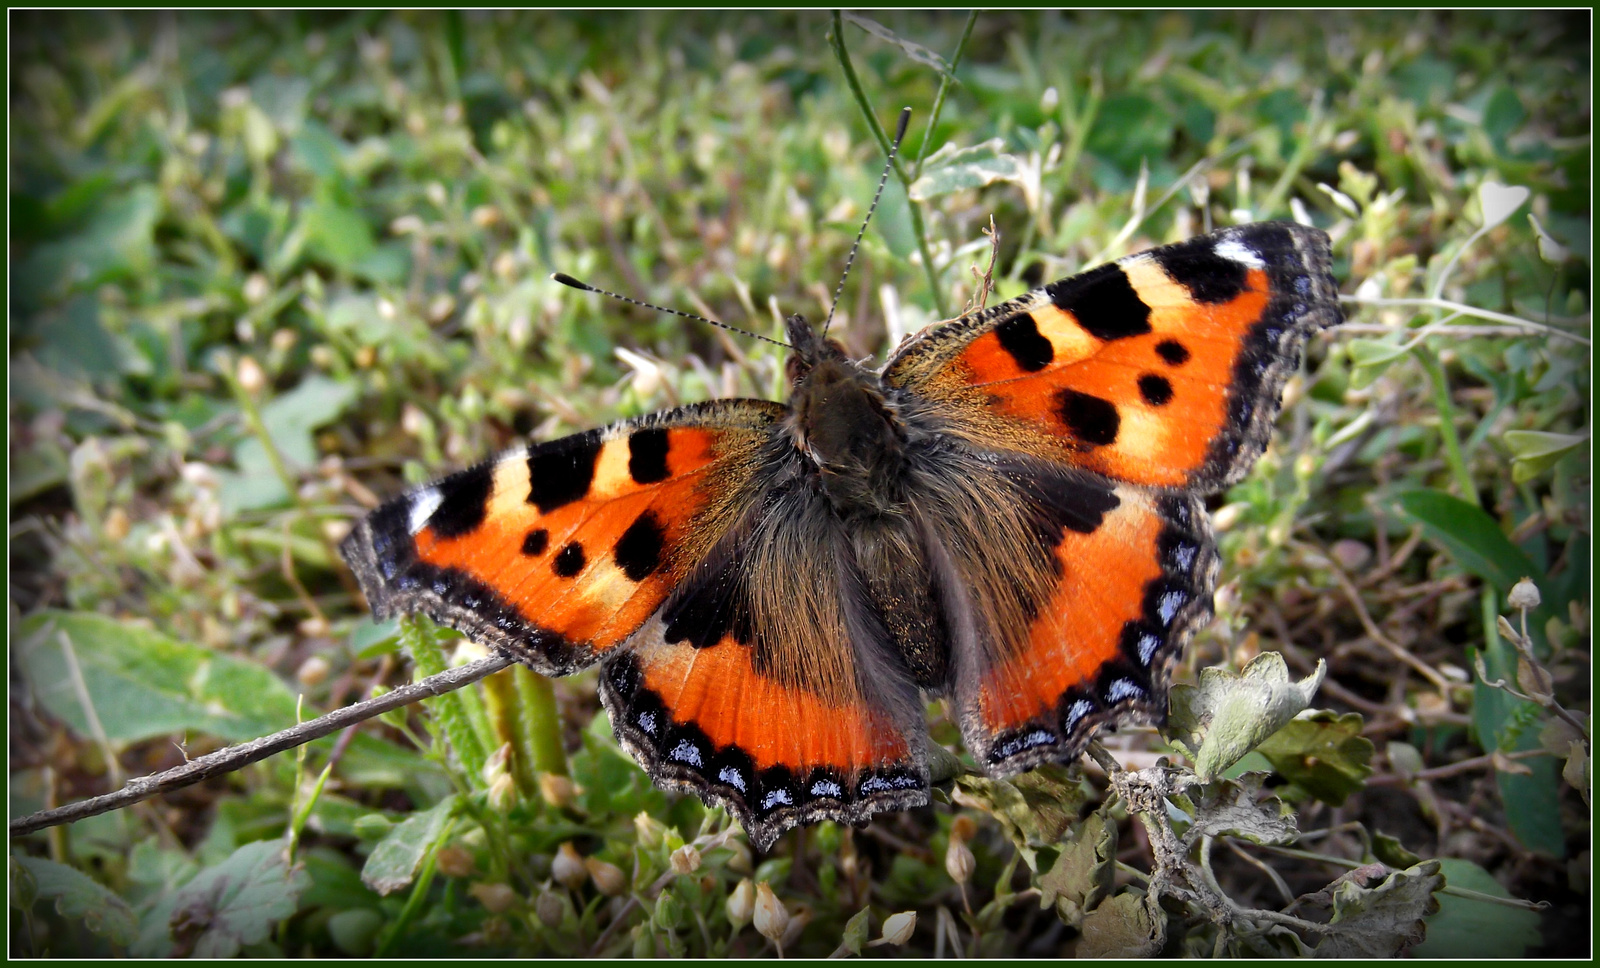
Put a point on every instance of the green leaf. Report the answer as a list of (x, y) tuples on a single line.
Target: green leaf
[(1229, 713), (79, 897), (1121, 927), (393, 863), (143, 684), (289, 420), (1391, 851), (337, 232), (1323, 754), (856, 931), (1471, 537), (1084, 871), (952, 169), (237, 902), (1033, 809), (1533, 451), (1382, 920), (1236, 808), (1465, 927)]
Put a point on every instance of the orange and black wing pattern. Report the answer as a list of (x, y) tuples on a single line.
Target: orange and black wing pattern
[(1156, 379), (767, 682), (558, 552), (1163, 368), (741, 660)]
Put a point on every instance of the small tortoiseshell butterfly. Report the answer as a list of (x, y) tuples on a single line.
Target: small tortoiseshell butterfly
[(1008, 513)]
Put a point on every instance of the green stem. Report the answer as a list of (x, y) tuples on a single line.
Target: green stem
[(452, 710), (944, 87), (543, 721), (836, 37), (252, 419), (1447, 426)]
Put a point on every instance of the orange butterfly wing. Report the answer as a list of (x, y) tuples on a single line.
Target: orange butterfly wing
[(558, 552), (1159, 374), (740, 663)]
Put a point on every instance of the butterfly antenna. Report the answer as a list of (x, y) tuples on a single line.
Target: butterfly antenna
[(567, 280), (899, 134)]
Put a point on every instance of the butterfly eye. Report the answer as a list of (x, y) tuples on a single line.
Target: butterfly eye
[(795, 367)]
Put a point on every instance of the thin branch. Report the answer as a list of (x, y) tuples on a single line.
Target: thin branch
[(237, 757)]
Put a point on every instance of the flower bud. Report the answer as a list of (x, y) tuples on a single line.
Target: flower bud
[(771, 918), (798, 919), (495, 898), (897, 928), (740, 862), (313, 672), (649, 830), (567, 867), (685, 860), (557, 790), (453, 861), (741, 904), (548, 908), (608, 878), (958, 860), (503, 792), (250, 375), (1524, 595)]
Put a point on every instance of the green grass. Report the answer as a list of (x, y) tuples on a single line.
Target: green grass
[(265, 267)]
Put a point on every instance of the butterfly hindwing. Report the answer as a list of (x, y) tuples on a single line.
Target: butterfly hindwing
[(766, 683), (1163, 368), (558, 552)]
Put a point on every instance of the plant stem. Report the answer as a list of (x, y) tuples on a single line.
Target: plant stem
[(1447, 426)]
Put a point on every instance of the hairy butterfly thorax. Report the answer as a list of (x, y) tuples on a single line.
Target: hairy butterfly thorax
[(842, 420)]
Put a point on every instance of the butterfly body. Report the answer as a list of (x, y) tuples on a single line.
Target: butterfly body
[(1008, 513)]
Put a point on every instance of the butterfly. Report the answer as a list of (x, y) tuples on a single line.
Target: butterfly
[(1008, 513)]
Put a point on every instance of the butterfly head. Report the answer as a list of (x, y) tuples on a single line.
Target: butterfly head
[(842, 420)]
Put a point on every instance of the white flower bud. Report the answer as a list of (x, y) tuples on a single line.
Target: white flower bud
[(771, 917), (567, 867), (741, 903), (685, 860), (897, 928), (1524, 595)]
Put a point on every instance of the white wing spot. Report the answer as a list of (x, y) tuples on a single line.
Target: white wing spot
[(1168, 607), (1240, 253), (1147, 647), (423, 504), (685, 752), (1123, 689), (1079, 709), (826, 788)]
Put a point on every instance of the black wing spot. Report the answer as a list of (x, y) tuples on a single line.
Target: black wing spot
[(1173, 352), (1019, 336), (1104, 303), (638, 552), (1091, 419), (536, 542), (1195, 265), (1156, 390), (560, 472), (647, 455), (464, 501), (570, 560)]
